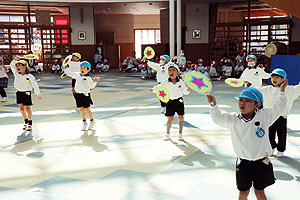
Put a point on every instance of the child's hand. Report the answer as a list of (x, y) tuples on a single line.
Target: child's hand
[(39, 96), (144, 59), (17, 58), (189, 89), (285, 82), (175, 57), (151, 90), (211, 99), (96, 79)]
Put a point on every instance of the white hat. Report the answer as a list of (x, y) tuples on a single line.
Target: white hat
[(171, 64)]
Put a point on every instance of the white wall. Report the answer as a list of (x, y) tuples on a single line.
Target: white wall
[(87, 25), (296, 30), (197, 17)]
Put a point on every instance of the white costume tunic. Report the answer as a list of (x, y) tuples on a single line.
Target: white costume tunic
[(254, 76), (250, 141), (176, 90), (162, 71), (270, 92), (181, 61), (24, 83), (83, 84)]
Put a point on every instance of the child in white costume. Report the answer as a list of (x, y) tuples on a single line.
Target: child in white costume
[(279, 127), (181, 60), (253, 75), (24, 82)]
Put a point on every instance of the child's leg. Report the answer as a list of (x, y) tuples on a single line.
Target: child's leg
[(281, 134), (243, 195), (2, 92), (169, 123), (260, 194), (82, 112), (22, 109), (181, 122), (89, 112), (28, 111), (272, 134)]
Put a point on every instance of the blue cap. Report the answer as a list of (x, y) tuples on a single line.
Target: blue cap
[(251, 56), (86, 64), (252, 93), (166, 57), (279, 72)]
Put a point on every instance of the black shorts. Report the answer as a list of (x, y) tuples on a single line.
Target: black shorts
[(24, 98), (173, 106), (83, 101), (256, 173), (73, 82)]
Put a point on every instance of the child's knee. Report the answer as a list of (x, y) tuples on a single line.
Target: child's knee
[(244, 193), (259, 192), (170, 118), (181, 118)]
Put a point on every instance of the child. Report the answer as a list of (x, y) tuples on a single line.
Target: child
[(161, 74), (98, 66), (55, 67), (182, 69), (37, 68), (200, 67), (123, 67), (239, 68), (105, 66), (144, 72), (253, 75), (83, 85), (3, 80), (206, 73), (24, 82), (227, 69), (213, 72), (279, 126), (177, 89), (249, 135), (181, 60)]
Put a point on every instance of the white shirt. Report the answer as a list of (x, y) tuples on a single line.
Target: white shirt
[(104, 66), (24, 83), (200, 69), (254, 76), (55, 67), (213, 71), (270, 92), (176, 90), (83, 84), (239, 68), (227, 70), (245, 134), (3, 73), (181, 61), (162, 71)]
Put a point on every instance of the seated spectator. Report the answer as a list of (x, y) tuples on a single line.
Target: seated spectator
[(239, 68), (206, 72), (37, 68), (55, 67), (105, 66), (124, 66), (227, 69), (200, 67), (98, 66), (213, 71), (144, 72)]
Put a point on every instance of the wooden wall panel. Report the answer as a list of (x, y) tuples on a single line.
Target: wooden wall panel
[(294, 48), (195, 51), (290, 6), (125, 50), (121, 25), (146, 21), (87, 52)]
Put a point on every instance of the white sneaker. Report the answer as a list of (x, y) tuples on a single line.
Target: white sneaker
[(280, 154), (3, 99), (163, 110), (25, 127), (273, 150), (92, 124), (180, 137), (166, 137), (85, 124)]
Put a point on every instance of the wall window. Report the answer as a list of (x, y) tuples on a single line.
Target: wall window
[(145, 37)]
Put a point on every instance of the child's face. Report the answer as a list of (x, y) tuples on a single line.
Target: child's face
[(251, 59), (75, 58), (21, 68), (84, 70), (173, 73), (162, 60), (247, 106), (276, 80)]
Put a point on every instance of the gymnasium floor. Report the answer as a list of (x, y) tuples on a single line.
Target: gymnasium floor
[(125, 158)]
